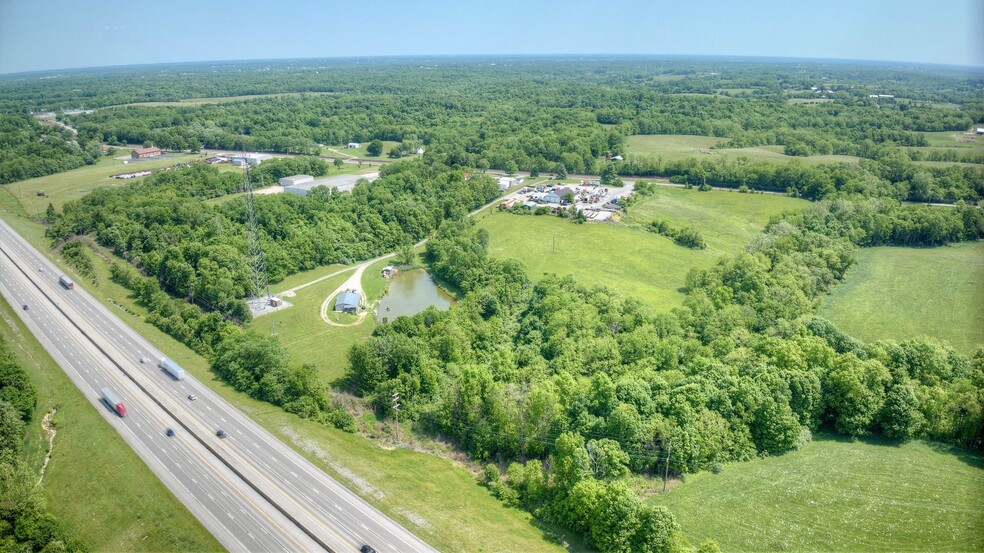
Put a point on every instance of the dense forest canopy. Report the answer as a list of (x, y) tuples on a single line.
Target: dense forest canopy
[(543, 114)]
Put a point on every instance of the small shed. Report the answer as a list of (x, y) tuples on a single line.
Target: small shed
[(354, 145), (347, 302)]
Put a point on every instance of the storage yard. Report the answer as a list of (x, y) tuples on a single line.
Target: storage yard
[(597, 202)]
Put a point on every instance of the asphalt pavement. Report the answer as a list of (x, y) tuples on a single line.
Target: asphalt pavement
[(249, 489)]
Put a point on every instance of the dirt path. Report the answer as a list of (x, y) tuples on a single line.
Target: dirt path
[(50, 430)]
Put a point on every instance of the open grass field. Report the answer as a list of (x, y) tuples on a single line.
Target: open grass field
[(627, 258), (950, 139), (900, 293), (434, 497), (62, 187), (678, 147), (94, 483), (344, 151), (835, 495)]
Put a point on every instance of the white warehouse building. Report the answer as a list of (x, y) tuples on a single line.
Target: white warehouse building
[(295, 180)]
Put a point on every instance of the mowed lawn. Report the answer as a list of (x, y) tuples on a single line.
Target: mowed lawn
[(306, 336), (627, 258), (836, 495), (900, 293), (678, 147)]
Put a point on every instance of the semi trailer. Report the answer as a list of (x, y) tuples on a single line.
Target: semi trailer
[(114, 401), (172, 368)]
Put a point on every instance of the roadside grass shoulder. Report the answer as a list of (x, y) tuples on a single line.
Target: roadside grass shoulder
[(838, 495), (95, 484), (901, 293)]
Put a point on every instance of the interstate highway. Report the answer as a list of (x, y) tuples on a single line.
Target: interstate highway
[(263, 495)]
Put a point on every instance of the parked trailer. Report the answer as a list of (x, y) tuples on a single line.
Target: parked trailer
[(114, 401), (172, 368), (66, 282)]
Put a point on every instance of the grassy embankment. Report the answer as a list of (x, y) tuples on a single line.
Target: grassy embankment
[(900, 293), (627, 258), (435, 498), (837, 495), (95, 484)]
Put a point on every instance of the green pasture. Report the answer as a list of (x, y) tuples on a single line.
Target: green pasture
[(951, 139), (900, 293), (95, 484), (627, 258), (838, 495), (71, 185), (678, 147)]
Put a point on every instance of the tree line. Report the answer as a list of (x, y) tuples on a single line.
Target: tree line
[(893, 175), (31, 149), (576, 387), (25, 522)]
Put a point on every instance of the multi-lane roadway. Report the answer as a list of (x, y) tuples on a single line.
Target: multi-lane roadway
[(249, 489)]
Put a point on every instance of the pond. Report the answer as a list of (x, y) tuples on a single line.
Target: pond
[(409, 293)]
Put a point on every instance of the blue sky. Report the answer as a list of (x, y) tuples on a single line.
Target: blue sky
[(58, 34)]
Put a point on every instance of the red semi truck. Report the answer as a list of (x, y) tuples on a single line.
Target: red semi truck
[(114, 401)]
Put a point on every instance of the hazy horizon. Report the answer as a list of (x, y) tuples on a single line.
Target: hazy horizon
[(57, 35), (477, 57)]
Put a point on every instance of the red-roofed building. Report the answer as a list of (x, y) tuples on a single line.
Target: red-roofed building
[(145, 152)]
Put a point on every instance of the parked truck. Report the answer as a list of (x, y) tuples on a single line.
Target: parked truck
[(66, 282), (172, 368), (114, 401)]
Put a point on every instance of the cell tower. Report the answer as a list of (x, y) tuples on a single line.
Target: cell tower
[(260, 294)]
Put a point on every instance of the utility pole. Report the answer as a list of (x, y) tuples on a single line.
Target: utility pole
[(396, 409), (666, 471)]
